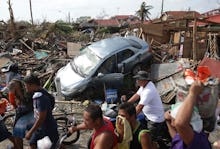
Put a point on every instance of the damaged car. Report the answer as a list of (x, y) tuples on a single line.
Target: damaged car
[(101, 65)]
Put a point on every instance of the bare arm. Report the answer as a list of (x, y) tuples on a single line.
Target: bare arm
[(134, 98), (37, 124), (184, 114), (145, 141), (171, 129), (139, 108), (73, 129), (104, 141)]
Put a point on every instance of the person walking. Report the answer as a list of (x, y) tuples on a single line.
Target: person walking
[(24, 115), (43, 103)]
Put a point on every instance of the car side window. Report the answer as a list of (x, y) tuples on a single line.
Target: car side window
[(123, 55), (109, 66)]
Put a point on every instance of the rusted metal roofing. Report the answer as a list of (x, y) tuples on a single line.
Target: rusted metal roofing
[(110, 22), (180, 14), (214, 18), (213, 65)]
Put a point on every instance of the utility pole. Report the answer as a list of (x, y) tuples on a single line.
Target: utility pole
[(194, 38), (12, 23), (162, 7), (32, 21), (68, 17)]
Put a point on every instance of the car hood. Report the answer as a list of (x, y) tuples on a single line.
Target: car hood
[(68, 78)]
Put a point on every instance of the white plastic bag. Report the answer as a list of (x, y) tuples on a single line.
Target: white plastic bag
[(44, 143)]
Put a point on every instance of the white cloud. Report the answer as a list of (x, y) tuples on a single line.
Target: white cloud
[(53, 10)]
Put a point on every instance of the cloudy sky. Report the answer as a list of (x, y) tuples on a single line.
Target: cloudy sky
[(53, 10)]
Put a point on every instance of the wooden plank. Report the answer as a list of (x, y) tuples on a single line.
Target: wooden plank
[(73, 48), (153, 29)]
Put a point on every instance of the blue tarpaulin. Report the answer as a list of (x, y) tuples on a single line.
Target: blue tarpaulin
[(40, 54)]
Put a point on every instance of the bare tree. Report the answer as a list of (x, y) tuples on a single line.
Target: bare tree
[(12, 23), (32, 21)]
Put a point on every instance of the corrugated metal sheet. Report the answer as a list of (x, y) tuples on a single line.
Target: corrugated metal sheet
[(214, 66)]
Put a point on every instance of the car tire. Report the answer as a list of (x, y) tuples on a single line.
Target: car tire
[(136, 69)]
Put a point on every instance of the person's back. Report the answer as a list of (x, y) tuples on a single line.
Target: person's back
[(23, 100), (24, 117)]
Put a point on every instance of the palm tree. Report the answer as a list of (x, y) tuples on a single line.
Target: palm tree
[(144, 12)]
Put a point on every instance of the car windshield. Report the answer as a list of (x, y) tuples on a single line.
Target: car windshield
[(85, 62)]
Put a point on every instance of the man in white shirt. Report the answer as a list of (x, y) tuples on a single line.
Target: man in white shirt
[(150, 103)]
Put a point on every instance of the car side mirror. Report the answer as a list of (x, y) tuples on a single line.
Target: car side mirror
[(100, 75)]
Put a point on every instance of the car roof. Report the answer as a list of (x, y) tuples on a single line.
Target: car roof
[(107, 46)]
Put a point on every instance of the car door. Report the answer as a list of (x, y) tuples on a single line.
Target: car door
[(109, 66), (126, 60)]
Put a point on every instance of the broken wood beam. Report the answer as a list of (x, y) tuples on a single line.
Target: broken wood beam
[(26, 45)]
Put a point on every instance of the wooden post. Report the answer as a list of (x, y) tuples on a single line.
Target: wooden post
[(162, 7), (194, 38)]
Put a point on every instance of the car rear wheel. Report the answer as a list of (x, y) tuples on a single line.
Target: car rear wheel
[(136, 69)]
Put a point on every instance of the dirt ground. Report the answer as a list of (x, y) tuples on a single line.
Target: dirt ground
[(84, 135)]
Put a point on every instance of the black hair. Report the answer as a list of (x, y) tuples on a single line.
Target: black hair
[(95, 111), (128, 107), (32, 79)]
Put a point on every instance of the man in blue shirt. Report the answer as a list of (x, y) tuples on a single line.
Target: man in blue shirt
[(43, 103)]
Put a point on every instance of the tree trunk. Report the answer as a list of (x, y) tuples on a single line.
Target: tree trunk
[(12, 23), (32, 21)]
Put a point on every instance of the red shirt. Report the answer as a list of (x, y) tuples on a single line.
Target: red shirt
[(106, 127)]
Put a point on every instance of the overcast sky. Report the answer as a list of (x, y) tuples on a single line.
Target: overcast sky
[(53, 10)]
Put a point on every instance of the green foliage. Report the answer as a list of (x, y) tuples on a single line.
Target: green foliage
[(78, 36), (63, 27), (144, 11), (108, 30)]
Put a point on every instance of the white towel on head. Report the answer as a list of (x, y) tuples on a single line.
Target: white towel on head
[(195, 122)]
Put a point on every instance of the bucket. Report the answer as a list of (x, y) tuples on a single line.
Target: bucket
[(3, 105), (111, 95), (11, 97)]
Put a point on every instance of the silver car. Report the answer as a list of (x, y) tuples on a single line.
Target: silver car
[(103, 62)]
